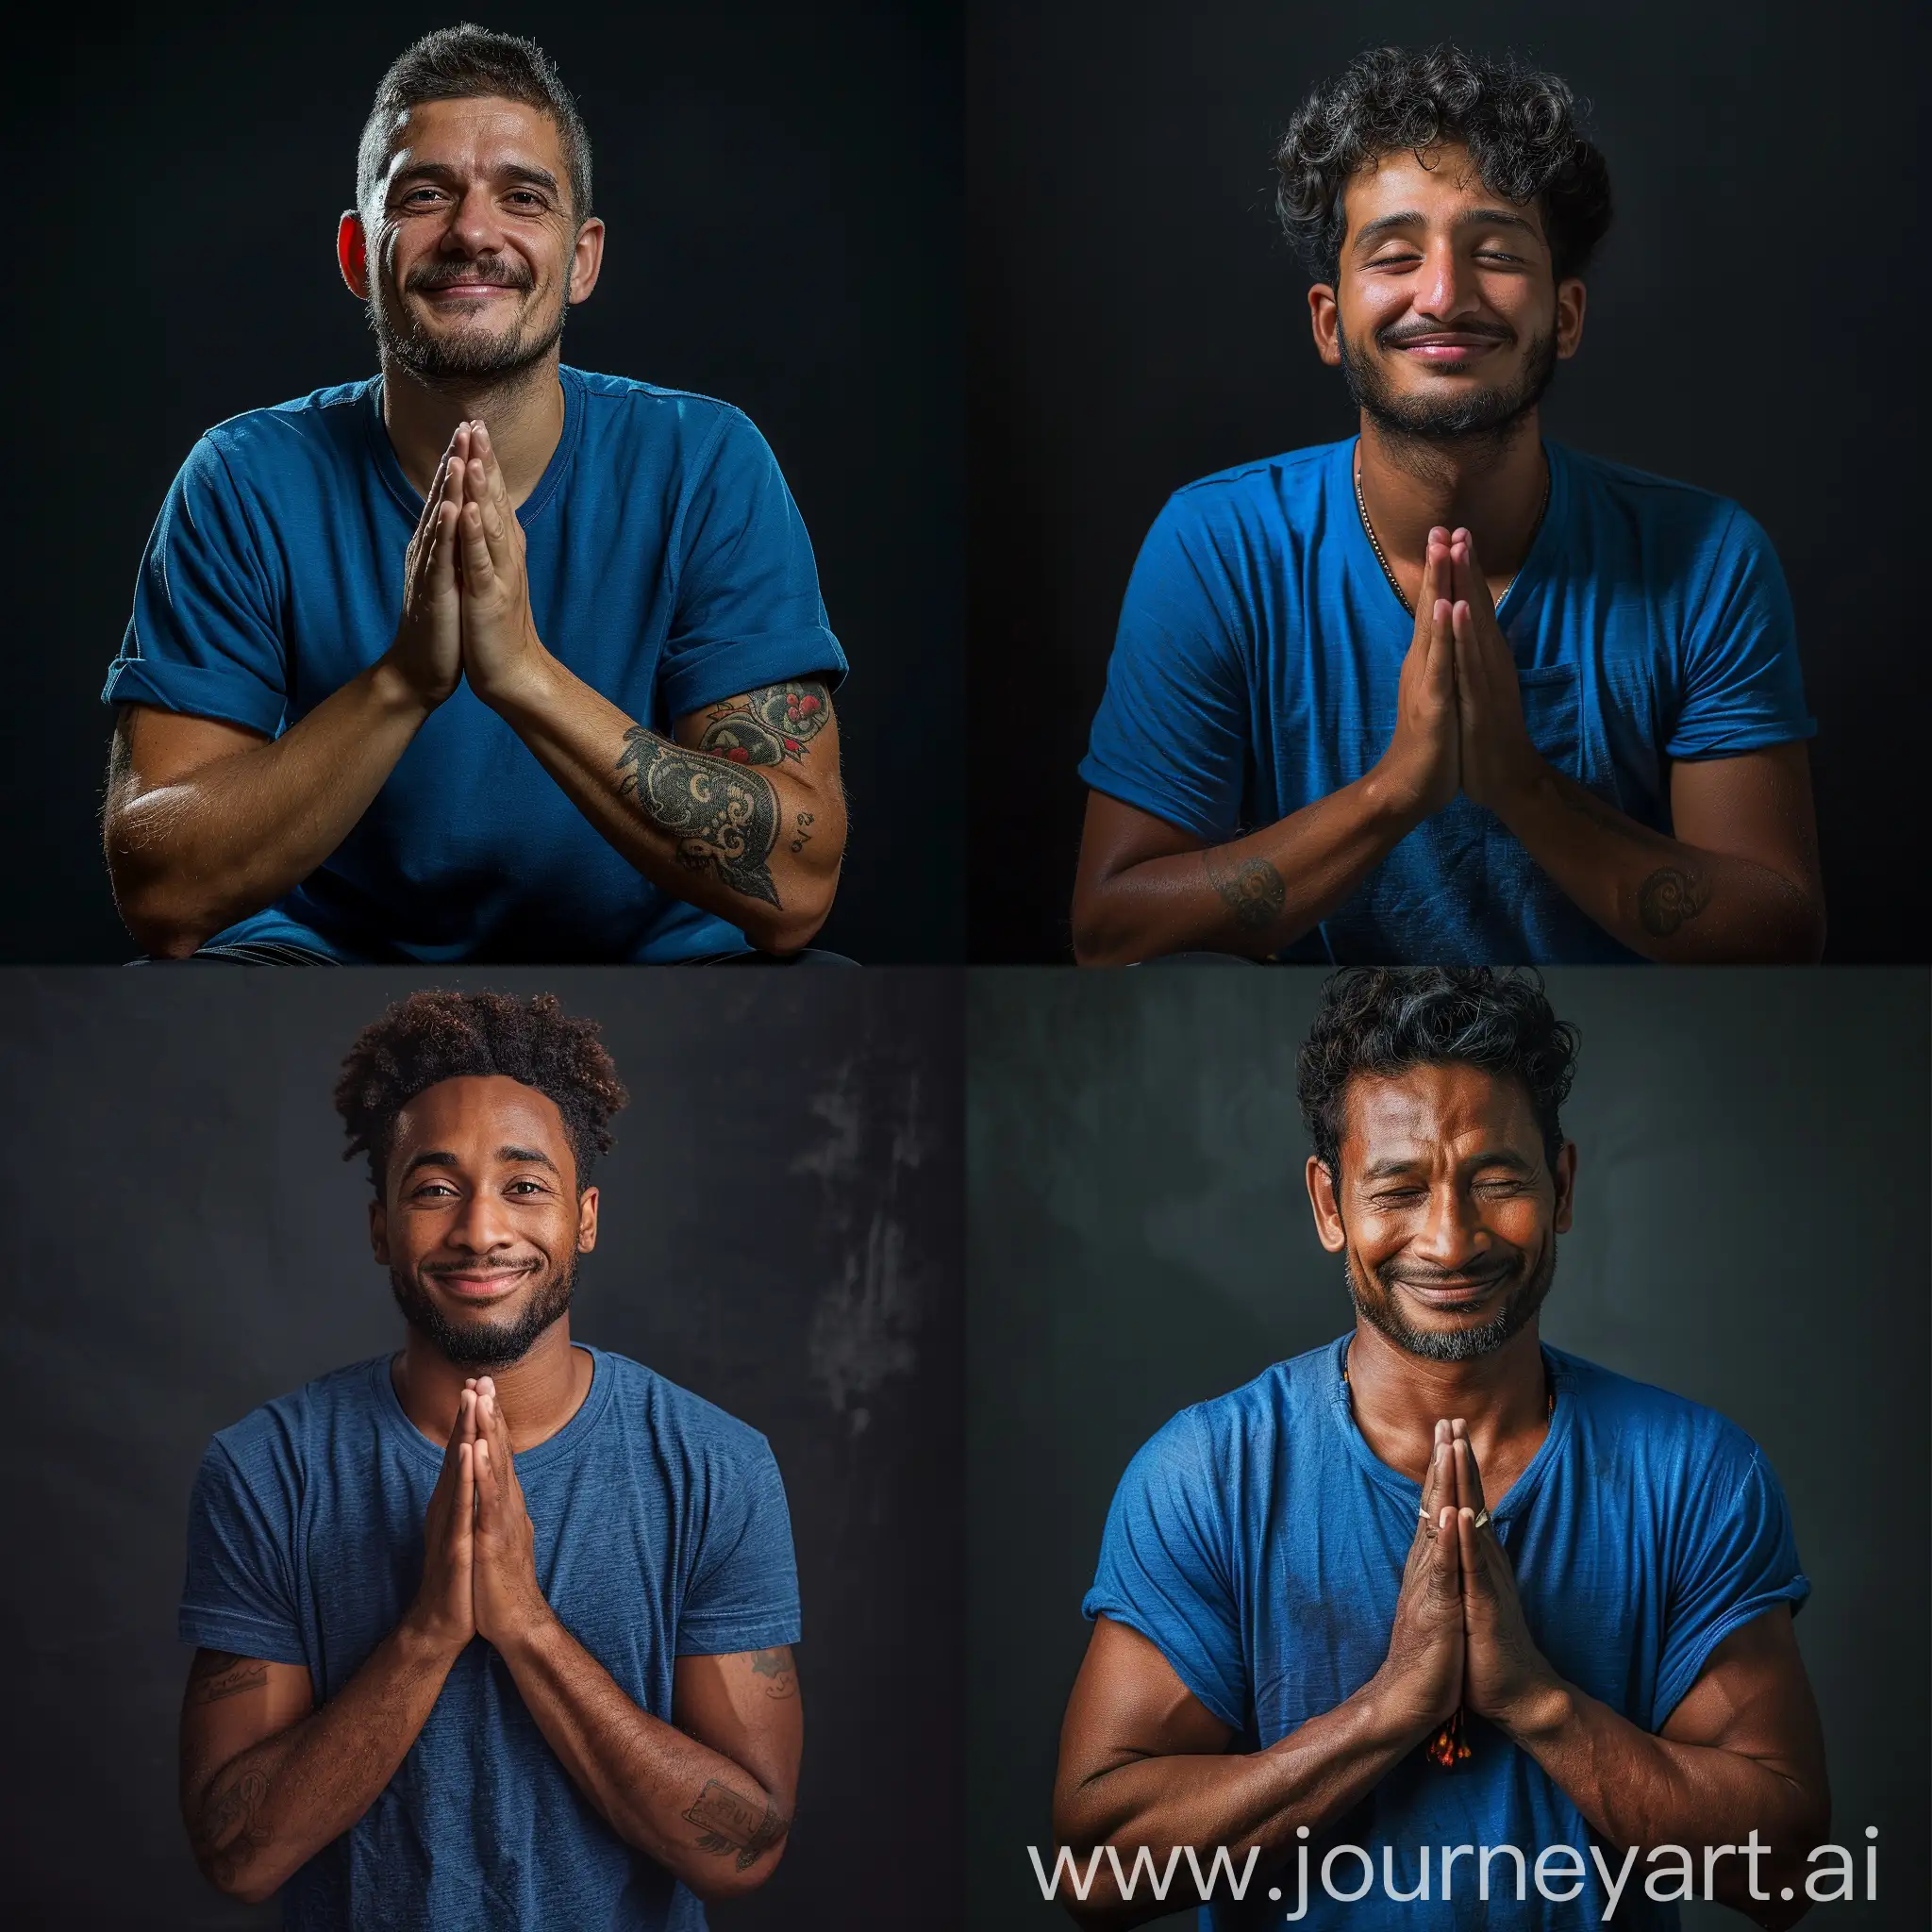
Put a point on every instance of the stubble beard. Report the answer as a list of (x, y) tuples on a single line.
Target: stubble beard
[(470, 356), (1383, 1311), (484, 1344)]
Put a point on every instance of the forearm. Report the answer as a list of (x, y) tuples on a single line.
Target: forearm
[(193, 855), (266, 1812), (1662, 898), (759, 845), (699, 1814), (1638, 1790), (1253, 895), (1310, 1777)]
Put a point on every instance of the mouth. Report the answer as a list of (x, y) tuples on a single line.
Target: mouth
[(1454, 1294), (481, 1284), (466, 291), (1447, 348)]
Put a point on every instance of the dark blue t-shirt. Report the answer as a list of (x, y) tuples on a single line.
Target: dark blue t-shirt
[(1259, 1543), (669, 569), (1260, 646), (661, 1532)]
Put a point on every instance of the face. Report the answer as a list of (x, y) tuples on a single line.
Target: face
[(481, 1221), (1446, 317), (471, 255), (1445, 1212)]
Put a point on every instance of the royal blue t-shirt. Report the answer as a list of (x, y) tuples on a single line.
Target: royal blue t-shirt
[(668, 568), (1260, 646), (1259, 1544), (661, 1532)]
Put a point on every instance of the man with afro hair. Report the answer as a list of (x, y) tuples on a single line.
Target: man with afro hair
[(1446, 690), (495, 1629)]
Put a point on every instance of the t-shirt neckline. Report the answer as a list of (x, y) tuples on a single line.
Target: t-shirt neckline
[(411, 499), (564, 1442)]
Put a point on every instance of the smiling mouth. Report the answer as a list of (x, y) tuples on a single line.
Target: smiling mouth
[(1452, 1294), (1451, 349), (482, 1284)]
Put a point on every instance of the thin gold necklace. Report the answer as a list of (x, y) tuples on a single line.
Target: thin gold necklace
[(1375, 545)]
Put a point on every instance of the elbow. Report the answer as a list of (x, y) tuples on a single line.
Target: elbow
[(158, 915), (1097, 933), (720, 1888), (792, 927)]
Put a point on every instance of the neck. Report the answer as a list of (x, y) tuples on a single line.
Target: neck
[(1398, 1397), (523, 412), (1491, 485), (538, 1392)]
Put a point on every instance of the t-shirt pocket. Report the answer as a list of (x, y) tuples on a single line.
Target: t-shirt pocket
[(1550, 713)]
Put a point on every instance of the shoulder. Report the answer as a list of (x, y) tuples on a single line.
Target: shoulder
[(1699, 519), (680, 1424), (1224, 1439), (275, 1438), (622, 409), (327, 425), (1280, 491), (1656, 1428)]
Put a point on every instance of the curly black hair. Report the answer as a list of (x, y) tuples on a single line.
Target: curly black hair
[(1384, 1020), (1519, 127), (435, 1035)]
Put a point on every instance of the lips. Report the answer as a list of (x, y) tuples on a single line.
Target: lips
[(1450, 349), (482, 1285), (1450, 1294)]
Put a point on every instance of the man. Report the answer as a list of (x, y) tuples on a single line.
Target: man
[(486, 658), (1446, 692), (494, 1630), (1434, 1584)]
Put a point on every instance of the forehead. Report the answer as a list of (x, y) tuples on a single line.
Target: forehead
[(474, 1115), (1440, 185), (476, 133), (1432, 1113)]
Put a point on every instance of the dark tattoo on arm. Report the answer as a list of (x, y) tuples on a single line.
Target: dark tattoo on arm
[(1669, 898), (225, 1834), (721, 818), (766, 727), (218, 1673), (728, 1823), (776, 1666), (1252, 890), (800, 836)]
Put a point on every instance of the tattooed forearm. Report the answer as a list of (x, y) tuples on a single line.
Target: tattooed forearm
[(1252, 890), (721, 818), (728, 1823), (766, 727), (776, 1666), (225, 1835), (1669, 898), (218, 1673)]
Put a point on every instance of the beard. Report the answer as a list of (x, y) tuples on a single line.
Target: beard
[(470, 355), (1487, 414), (485, 1345), (1382, 1311)]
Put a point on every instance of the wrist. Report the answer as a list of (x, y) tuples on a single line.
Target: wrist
[(524, 1634), (1517, 785), (428, 1641), (1537, 1713), (397, 693), (1392, 1715), (524, 688), (1396, 805)]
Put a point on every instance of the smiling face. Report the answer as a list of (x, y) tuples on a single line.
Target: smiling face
[(468, 255), (1446, 316), (1445, 1211), (481, 1221)]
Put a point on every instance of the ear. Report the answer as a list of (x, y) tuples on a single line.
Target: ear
[(1328, 1229), (1325, 323), (379, 1232), (1566, 1187), (1570, 305), (587, 1221), (352, 253), (587, 260)]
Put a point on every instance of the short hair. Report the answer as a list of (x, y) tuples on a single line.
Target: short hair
[(435, 1035), (1521, 130), (1384, 1020), (467, 62)]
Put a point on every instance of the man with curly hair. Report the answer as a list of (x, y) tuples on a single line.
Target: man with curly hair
[(494, 1630), (1437, 1586), (484, 658), (1447, 690)]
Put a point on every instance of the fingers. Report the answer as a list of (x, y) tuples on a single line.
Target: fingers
[(1445, 1558), (479, 568), (1469, 1555), (463, 1524), (1469, 1475)]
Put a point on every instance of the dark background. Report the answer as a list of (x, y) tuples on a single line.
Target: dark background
[(780, 1231), (782, 189), (1137, 321), (1753, 1186)]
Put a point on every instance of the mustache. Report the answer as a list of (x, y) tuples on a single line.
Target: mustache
[(1394, 339), (505, 274)]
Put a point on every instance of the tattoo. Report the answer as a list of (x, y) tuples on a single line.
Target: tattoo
[(800, 836), (779, 1667), (218, 1673), (225, 1835), (728, 1823), (766, 727), (721, 818), (1252, 890), (1669, 898)]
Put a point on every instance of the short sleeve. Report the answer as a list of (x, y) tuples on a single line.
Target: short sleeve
[(748, 610), (1171, 733), (743, 1587), (1164, 1568), (239, 1594), (1742, 686), (1737, 1558), (204, 638)]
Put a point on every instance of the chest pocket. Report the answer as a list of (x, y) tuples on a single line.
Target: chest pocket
[(1550, 714)]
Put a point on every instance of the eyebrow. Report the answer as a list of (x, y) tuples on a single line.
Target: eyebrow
[(440, 173), (511, 1156), (1470, 218), (1497, 1157)]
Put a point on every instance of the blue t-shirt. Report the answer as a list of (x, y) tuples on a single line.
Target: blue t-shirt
[(668, 567), (1260, 646), (1259, 1543), (661, 1532)]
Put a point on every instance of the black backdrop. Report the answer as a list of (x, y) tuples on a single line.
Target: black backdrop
[(782, 188), (1754, 1180), (780, 1232), (1137, 321)]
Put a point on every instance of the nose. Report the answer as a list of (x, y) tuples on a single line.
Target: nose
[(473, 226), (1448, 1238), (1436, 292), (480, 1225)]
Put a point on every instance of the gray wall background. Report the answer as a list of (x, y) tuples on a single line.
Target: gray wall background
[(780, 1231), (1751, 1231)]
